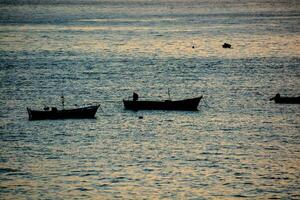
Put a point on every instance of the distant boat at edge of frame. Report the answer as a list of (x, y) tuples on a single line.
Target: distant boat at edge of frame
[(285, 100)]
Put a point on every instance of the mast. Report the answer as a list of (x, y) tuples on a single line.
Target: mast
[(62, 101)]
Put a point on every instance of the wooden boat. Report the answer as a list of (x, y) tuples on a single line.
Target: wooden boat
[(54, 113), (79, 113), (286, 100), (186, 104)]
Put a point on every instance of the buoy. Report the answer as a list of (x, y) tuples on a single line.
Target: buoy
[(226, 45)]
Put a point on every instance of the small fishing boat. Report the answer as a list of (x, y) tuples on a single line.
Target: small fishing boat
[(226, 45), (54, 113), (286, 100), (186, 104)]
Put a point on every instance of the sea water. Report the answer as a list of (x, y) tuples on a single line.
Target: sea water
[(239, 145)]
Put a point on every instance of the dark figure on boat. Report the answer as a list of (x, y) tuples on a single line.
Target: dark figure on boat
[(46, 108), (135, 96), (288, 100), (226, 45)]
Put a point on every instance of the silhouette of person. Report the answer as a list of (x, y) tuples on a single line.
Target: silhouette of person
[(135, 96), (277, 97)]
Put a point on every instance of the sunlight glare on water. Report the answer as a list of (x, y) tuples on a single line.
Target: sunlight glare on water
[(238, 145)]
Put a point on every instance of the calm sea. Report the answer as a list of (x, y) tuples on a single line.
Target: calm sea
[(239, 145)]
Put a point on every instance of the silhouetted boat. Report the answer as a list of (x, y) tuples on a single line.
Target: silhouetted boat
[(186, 104), (54, 113), (287, 100), (226, 45), (79, 113)]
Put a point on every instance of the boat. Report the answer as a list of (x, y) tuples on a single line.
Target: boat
[(185, 104), (54, 113), (226, 45), (285, 100)]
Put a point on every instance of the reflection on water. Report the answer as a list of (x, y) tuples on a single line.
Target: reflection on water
[(239, 145), (146, 40)]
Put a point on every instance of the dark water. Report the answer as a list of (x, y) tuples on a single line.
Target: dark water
[(238, 146)]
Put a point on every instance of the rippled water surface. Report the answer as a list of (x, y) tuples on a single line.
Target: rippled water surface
[(239, 145)]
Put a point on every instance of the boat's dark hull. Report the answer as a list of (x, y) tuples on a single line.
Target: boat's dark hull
[(187, 104), (287, 100), (78, 113)]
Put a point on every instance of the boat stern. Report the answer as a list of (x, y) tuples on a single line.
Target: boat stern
[(29, 113)]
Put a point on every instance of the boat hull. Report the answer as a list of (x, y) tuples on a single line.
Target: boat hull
[(187, 104), (287, 100), (78, 113)]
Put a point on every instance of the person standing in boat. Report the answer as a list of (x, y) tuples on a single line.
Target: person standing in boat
[(135, 96), (277, 96)]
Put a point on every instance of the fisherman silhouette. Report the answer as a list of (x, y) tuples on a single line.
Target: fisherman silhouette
[(277, 96), (135, 96)]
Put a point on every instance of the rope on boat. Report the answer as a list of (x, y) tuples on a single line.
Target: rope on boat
[(100, 107)]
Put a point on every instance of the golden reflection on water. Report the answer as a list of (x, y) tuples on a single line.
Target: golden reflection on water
[(178, 156), (181, 181), (164, 43), (254, 46)]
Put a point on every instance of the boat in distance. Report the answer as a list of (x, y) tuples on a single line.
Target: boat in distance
[(54, 113), (285, 100), (183, 105)]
